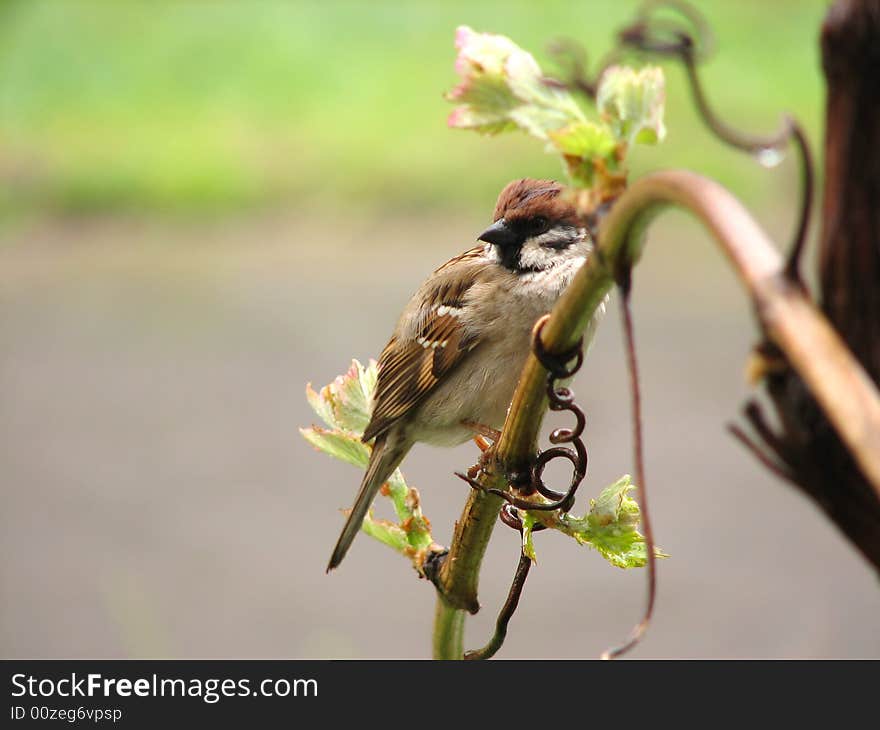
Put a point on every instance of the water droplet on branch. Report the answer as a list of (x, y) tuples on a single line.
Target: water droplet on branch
[(770, 156)]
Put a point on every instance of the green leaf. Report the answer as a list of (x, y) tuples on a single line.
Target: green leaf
[(397, 492), (614, 506), (583, 145), (610, 526), (386, 532), (339, 444), (584, 139), (538, 121), (613, 519), (502, 88), (416, 525), (632, 102), (320, 406), (346, 402)]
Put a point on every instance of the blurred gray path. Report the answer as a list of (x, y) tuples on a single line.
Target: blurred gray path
[(158, 500)]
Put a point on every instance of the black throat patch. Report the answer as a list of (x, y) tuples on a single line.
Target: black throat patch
[(509, 256)]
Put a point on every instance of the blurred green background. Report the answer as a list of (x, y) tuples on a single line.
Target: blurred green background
[(205, 205), (189, 107)]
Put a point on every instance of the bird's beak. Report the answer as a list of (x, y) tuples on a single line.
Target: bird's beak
[(500, 234)]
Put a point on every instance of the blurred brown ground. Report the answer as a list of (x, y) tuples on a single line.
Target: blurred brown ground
[(158, 500)]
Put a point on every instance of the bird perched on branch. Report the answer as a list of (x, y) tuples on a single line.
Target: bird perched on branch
[(454, 359)]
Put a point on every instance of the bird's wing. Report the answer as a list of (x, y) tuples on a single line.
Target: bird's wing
[(411, 365)]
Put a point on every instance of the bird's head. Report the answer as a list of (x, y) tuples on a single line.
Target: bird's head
[(535, 226)]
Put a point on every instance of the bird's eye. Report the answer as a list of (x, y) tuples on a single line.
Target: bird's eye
[(540, 224)]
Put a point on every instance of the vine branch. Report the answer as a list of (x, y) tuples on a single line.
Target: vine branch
[(839, 383), (789, 320)]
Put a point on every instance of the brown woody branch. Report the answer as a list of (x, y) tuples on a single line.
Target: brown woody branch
[(809, 446)]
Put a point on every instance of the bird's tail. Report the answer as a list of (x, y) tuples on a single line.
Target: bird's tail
[(386, 456)]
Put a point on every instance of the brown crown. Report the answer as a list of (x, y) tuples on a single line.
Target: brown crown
[(527, 198)]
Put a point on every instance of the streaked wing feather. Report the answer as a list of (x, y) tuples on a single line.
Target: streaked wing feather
[(409, 370)]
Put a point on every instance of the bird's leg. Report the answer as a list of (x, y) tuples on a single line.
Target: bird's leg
[(482, 444), (486, 455), (482, 430)]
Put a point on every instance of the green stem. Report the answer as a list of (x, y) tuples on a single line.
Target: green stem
[(458, 581), (448, 631), (460, 575)]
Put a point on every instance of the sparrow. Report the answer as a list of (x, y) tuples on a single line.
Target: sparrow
[(452, 364)]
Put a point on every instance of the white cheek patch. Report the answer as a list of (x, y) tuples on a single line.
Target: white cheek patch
[(553, 248), (537, 257)]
